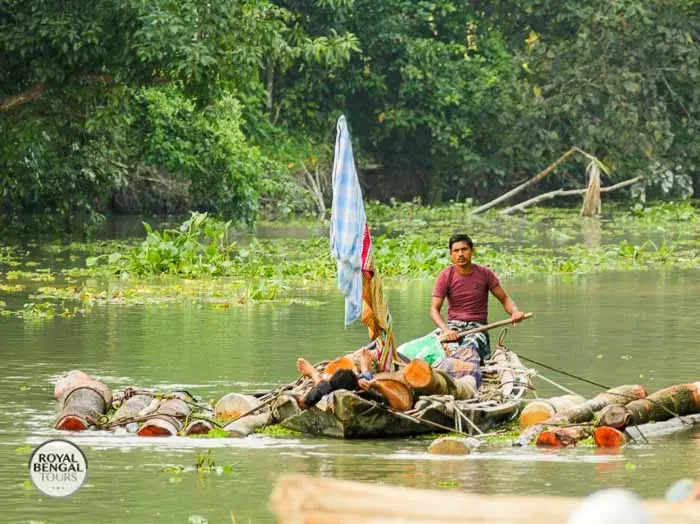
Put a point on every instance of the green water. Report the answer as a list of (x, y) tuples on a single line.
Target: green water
[(617, 329)]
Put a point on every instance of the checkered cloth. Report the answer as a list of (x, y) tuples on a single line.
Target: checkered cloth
[(348, 224)]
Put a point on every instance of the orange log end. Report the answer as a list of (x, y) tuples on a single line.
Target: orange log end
[(72, 423), (418, 373), (340, 363), (157, 428), (549, 439), (607, 437), (534, 414)]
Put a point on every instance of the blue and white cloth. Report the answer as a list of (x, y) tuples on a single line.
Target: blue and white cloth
[(348, 224)]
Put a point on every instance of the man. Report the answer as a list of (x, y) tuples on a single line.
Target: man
[(466, 287)]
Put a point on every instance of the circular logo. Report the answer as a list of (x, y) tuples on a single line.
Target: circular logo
[(58, 468)]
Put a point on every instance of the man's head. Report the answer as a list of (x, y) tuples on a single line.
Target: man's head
[(461, 249), (344, 379)]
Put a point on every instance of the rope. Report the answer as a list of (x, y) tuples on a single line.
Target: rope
[(603, 386)]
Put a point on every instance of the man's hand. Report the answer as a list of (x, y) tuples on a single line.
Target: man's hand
[(517, 316), (364, 384), (449, 335)]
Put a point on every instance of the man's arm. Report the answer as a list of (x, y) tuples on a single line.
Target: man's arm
[(436, 317), (508, 304)]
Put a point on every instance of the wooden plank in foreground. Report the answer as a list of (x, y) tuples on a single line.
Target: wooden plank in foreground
[(300, 499)]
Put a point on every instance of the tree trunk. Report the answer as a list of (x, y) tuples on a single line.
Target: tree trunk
[(609, 437), (245, 426), (584, 412), (234, 405), (562, 437), (82, 401), (198, 427), (167, 421), (299, 498), (426, 380), (453, 446), (683, 399), (542, 409), (394, 389), (131, 408), (345, 362), (616, 417)]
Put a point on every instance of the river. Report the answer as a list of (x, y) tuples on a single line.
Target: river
[(634, 327)]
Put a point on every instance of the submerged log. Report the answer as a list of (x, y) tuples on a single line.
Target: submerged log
[(453, 446), (245, 426), (683, 399), (234, 405), (131, 408), (394, 389), (562, 437), (584, 412), (299, 498), (544, 408), (82, 401), (198, 427), (609, 437), (167, 421)]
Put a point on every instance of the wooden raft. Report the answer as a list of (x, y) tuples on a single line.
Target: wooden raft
[(300, 499)]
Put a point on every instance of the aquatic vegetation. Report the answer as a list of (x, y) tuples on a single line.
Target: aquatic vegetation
[(277, 430)]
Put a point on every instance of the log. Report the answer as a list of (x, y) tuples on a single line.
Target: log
[(542, 409), (167, 421), (131, 408), (299, 498), (608, 437), (616, 416), (453, 446), (425, 380), (345, 362), (234, 405), (584, 412), (284, 407), (562, 437), (394, 389), (663, 429), (245, 426), (683, 399), (198, 427), (83, 400)]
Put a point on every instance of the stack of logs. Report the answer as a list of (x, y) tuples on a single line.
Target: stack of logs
[(613, 417)]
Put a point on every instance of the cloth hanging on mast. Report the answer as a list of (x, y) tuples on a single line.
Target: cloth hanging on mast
[(351, 246)]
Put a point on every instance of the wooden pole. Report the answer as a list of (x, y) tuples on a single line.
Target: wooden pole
[(303, 499)]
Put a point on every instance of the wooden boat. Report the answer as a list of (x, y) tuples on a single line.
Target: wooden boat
[(344, 414)]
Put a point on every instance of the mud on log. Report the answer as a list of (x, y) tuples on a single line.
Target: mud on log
[(584, 412), (82, 400), (299, 498), (562, 437)]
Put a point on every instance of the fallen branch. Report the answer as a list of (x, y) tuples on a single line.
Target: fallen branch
[(539, 176), (567, 192)]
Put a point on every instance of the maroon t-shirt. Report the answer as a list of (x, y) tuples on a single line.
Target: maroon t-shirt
[(467, 295)]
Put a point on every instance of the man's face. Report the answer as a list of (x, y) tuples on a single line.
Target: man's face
[(461, 253)]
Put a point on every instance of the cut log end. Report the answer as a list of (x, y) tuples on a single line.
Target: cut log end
[(561, 437), (418, 373), (452, 446), (608, 437), (72, 423), (340, 363), (535, 413), (198, 427), (157, 428), (396, 393)]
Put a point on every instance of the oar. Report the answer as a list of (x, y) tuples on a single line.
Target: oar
[(487, 327)]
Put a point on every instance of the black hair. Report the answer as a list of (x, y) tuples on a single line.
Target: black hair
[(341, 379), (344, 379), (461, 237)]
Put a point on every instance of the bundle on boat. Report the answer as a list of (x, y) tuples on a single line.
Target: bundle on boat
[(422, 399)]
